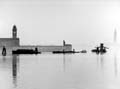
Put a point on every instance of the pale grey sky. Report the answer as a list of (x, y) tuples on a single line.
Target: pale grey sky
[(51, 21)]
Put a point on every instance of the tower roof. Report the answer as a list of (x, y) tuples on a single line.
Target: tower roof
[(14, 27)]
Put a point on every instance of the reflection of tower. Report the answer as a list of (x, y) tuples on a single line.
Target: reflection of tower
[(64, 63), (115, 64), (14, 65), (14, 69), (115, 36), (14, 32)]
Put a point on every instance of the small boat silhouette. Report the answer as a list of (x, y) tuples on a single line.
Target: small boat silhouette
[(83, 51), (100, 49), (64, 52), (4, 51)]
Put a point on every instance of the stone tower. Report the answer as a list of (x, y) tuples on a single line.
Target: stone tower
[(14, 32)]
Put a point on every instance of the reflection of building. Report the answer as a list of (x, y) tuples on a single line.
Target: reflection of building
[(14, 65), (14, 69), (14, 43)]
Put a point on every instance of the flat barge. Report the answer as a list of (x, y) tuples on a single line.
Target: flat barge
[(25, 51)]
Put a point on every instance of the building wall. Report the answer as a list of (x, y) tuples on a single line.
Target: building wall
[(46, 48), (54, 48), (9, 42)]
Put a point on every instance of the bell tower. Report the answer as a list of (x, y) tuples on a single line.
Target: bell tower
[(14, 32)]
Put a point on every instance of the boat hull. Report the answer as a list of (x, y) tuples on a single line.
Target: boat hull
[(99, 51), (25, 51)]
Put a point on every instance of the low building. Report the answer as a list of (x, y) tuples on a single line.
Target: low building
[(14, 43)]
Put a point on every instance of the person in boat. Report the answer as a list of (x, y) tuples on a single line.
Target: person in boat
[(4, 51), (102, 48)]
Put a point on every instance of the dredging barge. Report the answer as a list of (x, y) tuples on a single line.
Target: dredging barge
[(100, 49), (26, 51)]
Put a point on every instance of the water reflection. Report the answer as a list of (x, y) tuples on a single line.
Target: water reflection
[(115, 64), (4, 58), (15, 61), (76, 71), (100, 60), (66, 62)]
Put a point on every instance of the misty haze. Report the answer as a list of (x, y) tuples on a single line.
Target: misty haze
[(59, 44)]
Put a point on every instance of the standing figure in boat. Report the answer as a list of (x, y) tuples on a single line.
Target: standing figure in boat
[(4, 51), (102, 48)]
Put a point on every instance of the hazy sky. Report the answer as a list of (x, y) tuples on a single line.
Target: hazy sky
[(51, 21)]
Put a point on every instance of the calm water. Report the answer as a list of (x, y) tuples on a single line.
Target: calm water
[(53, 71)]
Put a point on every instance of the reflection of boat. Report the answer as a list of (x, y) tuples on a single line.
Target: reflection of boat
[(100, 49), (25, 51), (4, 53)]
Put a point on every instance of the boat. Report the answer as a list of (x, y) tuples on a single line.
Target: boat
[(25, 51), (59, 52), (83, 51), (4, 51), (100, 49), (95, 50)]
